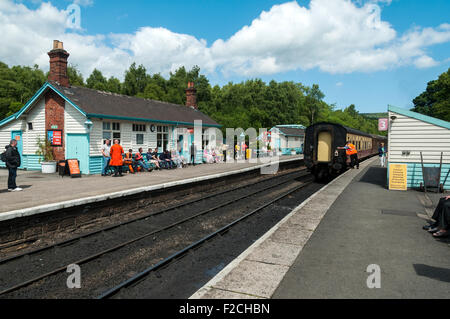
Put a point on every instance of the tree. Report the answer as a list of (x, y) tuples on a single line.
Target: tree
[(96, 81), (17, 85), (313, 98), (113, 85), (136, 79), (75, 76), (435, 100)]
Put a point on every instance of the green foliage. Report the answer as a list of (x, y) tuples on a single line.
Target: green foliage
[(17, 85), (96, 81), (435, 101), (252, 103), (75, 76), (45, 150)]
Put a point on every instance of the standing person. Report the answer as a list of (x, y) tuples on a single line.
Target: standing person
[(106, 156), (193, 153), (116, 153), (382, 154), (352, 152), (12, 158)]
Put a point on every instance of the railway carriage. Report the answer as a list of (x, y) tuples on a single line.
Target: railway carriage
[(322, 140)]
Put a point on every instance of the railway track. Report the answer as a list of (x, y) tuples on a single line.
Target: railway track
[(179, 254), (279, 182)]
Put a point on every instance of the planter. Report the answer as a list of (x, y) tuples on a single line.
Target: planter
[(48, 167)]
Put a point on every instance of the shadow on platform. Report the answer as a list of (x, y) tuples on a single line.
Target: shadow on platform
[(21, 186), (438, 273), (376, 176)]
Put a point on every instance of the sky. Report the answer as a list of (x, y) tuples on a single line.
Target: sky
[(370, 53)]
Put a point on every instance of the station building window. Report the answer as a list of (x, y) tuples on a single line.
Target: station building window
[(139, 127), (162, 138), (111, 131), (139, 139)]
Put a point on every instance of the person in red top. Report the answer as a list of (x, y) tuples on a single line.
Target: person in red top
[(116, 158), (353, 153), (140, 161)]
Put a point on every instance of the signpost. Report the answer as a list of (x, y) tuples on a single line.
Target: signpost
[(398, 177), (383, 125), (74, 168)]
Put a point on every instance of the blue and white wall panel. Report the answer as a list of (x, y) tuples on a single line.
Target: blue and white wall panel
[(415, 136)]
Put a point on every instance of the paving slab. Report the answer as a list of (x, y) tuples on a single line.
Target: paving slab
[(370, 225), (253, 278)]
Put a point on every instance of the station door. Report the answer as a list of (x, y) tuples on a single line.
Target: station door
[(77, 147)]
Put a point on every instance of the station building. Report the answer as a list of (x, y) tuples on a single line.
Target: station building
[(290, 138), (411, 133), (78, 120)]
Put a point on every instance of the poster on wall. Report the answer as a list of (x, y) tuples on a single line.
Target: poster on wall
[(398, 177), (55, 137)]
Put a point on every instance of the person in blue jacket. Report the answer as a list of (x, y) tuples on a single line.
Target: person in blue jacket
[(382, 151)]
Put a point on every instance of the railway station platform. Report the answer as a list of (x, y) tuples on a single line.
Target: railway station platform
[(44, 193), (324, 247)]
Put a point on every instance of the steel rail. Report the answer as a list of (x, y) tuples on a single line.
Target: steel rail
[(109, 250), (113, 291), (104, 229)]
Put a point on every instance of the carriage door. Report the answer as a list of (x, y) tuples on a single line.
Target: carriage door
[(324, 147)]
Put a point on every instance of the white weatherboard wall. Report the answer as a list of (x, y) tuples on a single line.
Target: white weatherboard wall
[(5, 134), (413, 135), (74, 120), (36, 116)]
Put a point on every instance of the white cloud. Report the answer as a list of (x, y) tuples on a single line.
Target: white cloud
[(335, 36), (425, 62), (339, 84), (84, 3)]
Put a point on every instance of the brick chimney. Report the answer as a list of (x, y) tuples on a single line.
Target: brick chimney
[(58, 64), (191, 96)]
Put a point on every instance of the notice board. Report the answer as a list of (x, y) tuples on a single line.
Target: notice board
[(398, 177), (74, 168), (55, 137)]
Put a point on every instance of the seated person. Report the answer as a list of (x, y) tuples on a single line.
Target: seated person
[(441, 225), (162, 161), (129, 154), (140, 161), (129, 161), (148, 155), (152, 157), (208, 157), (168, 158), (178, 159)]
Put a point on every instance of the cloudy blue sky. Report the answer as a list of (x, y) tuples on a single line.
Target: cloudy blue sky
[(367, 52)]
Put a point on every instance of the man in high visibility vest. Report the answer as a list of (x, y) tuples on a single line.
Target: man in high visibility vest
[(353, 153)]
